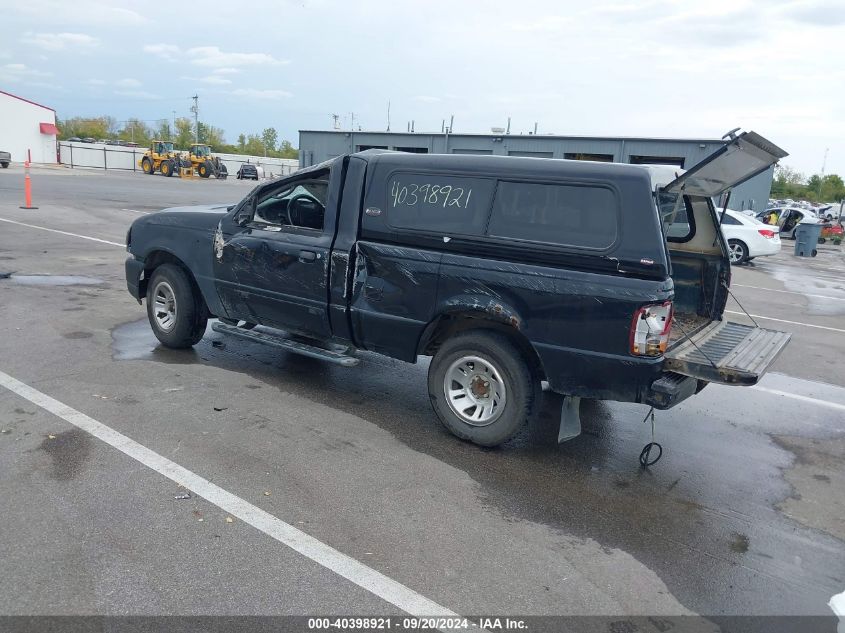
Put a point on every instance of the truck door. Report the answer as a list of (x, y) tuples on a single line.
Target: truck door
[(271, 258)]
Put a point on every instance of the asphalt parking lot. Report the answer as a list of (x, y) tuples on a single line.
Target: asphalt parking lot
[(744, 515)]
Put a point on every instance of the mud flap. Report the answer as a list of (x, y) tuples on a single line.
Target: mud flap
[(570, 419)]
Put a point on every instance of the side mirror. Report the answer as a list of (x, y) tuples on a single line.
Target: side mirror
[(245, 213)]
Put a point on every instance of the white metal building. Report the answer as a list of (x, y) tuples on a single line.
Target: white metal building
[(27, 126)]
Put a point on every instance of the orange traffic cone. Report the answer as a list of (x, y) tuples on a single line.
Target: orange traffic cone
[(27, 188)]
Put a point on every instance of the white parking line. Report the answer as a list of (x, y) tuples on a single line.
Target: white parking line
[(356, 572), (789, 292), (760, 316), (44, 228), (795, 396)]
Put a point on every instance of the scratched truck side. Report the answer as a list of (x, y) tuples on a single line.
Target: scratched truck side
[(606, 281)]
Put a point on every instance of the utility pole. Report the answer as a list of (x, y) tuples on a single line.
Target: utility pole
[(388, 116), (335, 121), (824, 164), (352, 122), (196, 110)]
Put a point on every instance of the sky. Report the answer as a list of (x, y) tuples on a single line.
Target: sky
[(663, 68)]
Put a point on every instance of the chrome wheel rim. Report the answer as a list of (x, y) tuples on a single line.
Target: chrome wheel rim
[(736, 253), (475, 390), (164, 306)]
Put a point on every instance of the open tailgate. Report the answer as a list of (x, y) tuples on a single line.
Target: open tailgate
[(727, 352)]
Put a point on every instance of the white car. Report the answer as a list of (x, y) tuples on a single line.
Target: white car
[(748, 238)]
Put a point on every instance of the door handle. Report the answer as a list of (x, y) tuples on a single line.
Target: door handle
[(307, 256)]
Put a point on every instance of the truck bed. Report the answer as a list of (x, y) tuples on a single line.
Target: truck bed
[(685, 324)]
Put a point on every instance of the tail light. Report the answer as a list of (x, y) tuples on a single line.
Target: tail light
[(650, 329), (767, 233)]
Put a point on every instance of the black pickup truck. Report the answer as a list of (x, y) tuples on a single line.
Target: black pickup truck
[(605, 280)]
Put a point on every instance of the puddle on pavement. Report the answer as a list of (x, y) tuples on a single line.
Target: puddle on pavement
[(69, 452), (136, 341), (55, 280)]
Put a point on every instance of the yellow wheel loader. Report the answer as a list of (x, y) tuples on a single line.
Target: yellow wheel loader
[(162, 158), (205, 163)]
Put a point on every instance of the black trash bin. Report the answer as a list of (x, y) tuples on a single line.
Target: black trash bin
[(806, 238)]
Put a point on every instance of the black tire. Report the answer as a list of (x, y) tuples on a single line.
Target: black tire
[(4, 165), (822, 240), (521, 386), (204, 169), (147, 166), (189, 317), (166, 168), (739, 252)]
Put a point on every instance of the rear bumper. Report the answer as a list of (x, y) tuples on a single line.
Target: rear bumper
[(763, 248), (134, 283), (671, 389)]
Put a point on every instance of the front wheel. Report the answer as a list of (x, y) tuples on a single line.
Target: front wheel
[(481, 387), (166, 168), (174, 308), (738, 251)]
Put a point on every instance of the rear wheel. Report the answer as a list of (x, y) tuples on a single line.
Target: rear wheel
[(174, 308), (4, 165), (147, 166), (737, 251), (166, 168), (481, 387), (204, 169)]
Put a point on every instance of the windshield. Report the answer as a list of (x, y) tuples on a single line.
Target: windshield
[(163, 147), (202, 150)]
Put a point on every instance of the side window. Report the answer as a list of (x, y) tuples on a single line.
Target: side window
[(298, 204), (730, 220), (568, 215), (675, 217), (440, 204)]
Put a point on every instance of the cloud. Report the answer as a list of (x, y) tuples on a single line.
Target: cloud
[(128, 83), (427, 99), (215, 80), (210, 79), (223, 63), (59, 41), (817, 13), (137, 94), (548, 23), (254, 93), (96, 82), (87, 12), (213, 57), (165, 51), (20, 72)]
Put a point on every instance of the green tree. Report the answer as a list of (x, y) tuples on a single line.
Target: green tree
[(136, 131), (287, 150), (98, 127), (254, 145), (164, 131), (269, 137), (184, 133), (211, 135), (241, 141)]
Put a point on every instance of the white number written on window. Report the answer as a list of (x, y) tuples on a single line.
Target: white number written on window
[(429, 193)]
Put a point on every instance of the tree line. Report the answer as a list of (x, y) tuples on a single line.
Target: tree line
[(181, 132), (791, 183)]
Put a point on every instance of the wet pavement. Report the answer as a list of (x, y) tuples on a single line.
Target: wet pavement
[(742, 515)]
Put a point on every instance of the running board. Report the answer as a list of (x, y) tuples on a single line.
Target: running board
[(280, 341)]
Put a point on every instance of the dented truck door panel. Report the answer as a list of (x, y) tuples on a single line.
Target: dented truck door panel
[(272, 258)]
